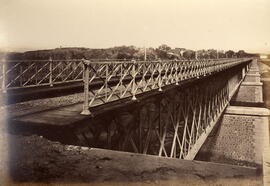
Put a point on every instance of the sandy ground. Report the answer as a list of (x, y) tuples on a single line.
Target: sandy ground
[(35, 160)]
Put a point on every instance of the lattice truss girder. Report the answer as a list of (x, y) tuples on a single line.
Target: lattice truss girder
[(119, 80), (174, 124), (148, 75), (30, 73)]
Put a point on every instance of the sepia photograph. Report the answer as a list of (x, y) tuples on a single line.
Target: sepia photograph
[(135, 92)]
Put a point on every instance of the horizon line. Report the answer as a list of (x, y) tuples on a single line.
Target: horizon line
[(28, 49)]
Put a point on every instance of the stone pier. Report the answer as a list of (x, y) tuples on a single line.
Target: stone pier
[(239, 138), (250, 92)]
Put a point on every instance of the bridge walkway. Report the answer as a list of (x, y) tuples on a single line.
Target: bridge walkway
[(32, 93), (69, 115)]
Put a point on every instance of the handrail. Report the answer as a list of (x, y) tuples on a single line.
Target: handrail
[(114, 81), (18, 74)]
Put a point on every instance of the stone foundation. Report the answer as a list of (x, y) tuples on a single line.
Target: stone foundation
[(252, 78), (249, 94), (238, 138), (250, 91)]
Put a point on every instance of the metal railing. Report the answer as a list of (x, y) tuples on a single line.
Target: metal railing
[(16, 74), (32, 73), (104, 80), (109, 81)]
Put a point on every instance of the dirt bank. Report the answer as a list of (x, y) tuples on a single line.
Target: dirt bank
[(35, 160)]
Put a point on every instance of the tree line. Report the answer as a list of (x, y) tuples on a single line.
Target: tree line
[(163, 52)]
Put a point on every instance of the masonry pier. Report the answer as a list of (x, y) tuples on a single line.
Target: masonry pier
[(239, 138)]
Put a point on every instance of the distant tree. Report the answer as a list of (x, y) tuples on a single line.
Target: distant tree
[(189, 54), (229, 53), (124, 52), (241, 53), (164, 47), (202, 54), (151, 54), (123, 55), (212, 53), (180, 52), (221, 54), (139, 55), (162, 51), (14, 56)]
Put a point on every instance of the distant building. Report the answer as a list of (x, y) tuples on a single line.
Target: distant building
[(263, 56)]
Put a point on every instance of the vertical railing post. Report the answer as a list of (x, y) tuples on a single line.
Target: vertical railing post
[(86, 110), (106, 81), (143, 73), (121, 79), (51, 72), (159, 76), (4, 77), (176, 72), (36, 71), (205, 67), (133, 89), (21, 77)]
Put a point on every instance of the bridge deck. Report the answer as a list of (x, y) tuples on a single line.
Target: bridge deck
[(70, 114), (33, 93), (59, 116)]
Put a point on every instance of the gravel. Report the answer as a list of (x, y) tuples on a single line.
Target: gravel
[(41, 104)]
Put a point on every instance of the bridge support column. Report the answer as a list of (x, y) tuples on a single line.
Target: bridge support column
[(86, 110), (250, 91), (249, 94), (239, 138)]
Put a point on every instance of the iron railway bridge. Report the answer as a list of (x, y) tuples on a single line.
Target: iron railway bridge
[(163, 108)]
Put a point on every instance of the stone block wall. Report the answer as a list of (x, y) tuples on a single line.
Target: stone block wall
[(238, 138), (250, 91), (253, 72), (252, 78)]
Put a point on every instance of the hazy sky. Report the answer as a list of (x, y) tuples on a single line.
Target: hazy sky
[(194, 24)]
